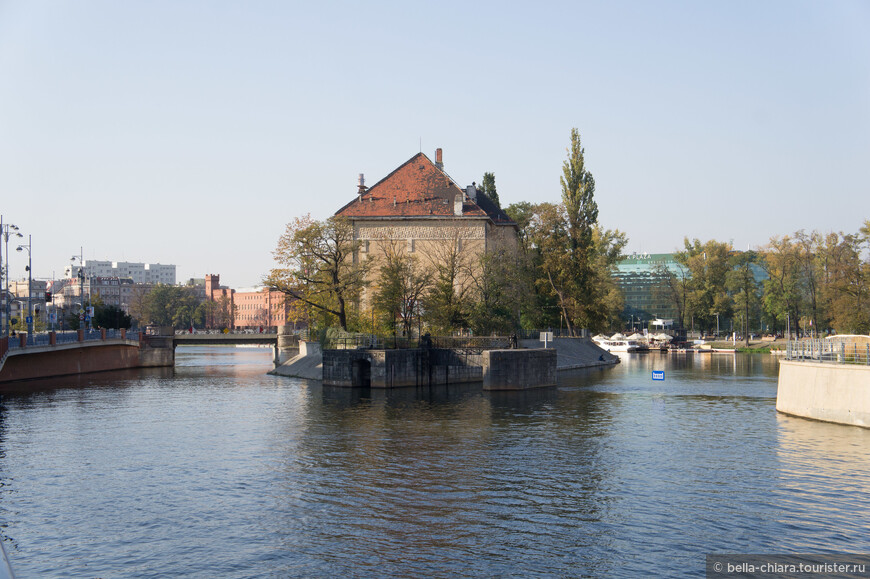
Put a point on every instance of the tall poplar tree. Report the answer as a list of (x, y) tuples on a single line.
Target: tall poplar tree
[(578, 191)]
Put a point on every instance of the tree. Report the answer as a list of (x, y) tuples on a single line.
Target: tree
[(673, 287), (400, 285), (316, 266), (487, 187), (498, 291), (782, 293), (111, 316), (846, 277), (138, 302), (550, 239), (707, 299), (578, 190), (744, 289), (447, 299), (169, 305), (522, 214)]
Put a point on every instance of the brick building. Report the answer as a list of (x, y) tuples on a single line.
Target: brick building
[(252, 308), (422, 208)]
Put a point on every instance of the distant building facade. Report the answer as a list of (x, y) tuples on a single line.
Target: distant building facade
[(251, 308), (642, 277), (152, 273)]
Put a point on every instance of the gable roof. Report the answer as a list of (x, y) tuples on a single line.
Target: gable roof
[(419, 188)]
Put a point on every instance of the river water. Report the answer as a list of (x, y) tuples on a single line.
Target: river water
[(215, 469)]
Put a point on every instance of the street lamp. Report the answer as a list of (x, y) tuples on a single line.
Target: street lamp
[(81, 276), (29, 286), (7, 230)]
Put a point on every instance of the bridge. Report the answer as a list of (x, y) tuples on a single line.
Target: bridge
[(206, 339), (30, 357), (229, 339)]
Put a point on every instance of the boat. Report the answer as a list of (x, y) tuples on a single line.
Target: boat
[(612, 345)]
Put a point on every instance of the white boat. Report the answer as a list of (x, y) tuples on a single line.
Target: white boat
[(612, 345)]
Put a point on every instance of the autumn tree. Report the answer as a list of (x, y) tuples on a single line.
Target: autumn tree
[(782, 290), (673, 288), (740, 281), (316, 266), (707, 298)]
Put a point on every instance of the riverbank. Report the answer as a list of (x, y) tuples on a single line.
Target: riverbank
[(754, 347)]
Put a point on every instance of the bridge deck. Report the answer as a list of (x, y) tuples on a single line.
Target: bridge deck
[(223, 339)]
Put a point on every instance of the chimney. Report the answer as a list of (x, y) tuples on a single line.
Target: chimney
[(471, 191), (439, 161), (361, 184), (457, 205)]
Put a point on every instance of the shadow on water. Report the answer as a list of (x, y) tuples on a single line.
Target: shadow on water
[(109, 379)]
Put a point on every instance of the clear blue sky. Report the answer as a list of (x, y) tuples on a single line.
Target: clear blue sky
[(192, 132)]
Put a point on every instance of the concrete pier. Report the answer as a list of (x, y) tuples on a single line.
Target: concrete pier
[(825, 391), (519, 369)]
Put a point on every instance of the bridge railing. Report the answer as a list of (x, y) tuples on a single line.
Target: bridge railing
[(375, 342), (67, 337), (828, 351)]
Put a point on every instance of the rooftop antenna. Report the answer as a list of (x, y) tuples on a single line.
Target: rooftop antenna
[(421, 144)]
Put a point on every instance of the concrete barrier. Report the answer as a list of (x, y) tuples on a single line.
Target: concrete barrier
[(830, 392), (575, 353), (519, 369)]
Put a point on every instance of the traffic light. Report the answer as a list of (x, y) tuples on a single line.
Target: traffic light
[(47, 297)]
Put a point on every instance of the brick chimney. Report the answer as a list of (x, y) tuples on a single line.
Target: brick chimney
[(439, 161)]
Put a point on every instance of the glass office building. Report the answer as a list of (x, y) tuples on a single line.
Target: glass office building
[(641, 278)]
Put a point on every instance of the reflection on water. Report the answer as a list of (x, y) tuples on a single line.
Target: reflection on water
[(216, 469)]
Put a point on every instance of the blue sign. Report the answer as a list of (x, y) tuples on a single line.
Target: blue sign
[(658, 374), (29, 319)]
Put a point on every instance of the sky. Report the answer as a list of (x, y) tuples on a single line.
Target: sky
[(191, 132)]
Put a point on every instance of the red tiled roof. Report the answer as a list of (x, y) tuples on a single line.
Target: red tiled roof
[(418, 188)]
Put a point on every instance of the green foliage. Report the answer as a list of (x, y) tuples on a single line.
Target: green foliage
[(315, 266), (578, 190), (740, 282), (111, 317), (169, 305), (818, 282), (499, 289), (705, 292), (573, 287), (487, 187)]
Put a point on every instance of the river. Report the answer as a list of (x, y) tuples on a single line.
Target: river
[(215, 469)]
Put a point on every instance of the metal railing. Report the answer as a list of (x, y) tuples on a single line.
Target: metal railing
[(827, 351), (375, 342), (44, 339)]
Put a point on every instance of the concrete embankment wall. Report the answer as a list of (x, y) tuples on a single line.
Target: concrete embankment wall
[(825, 391), (575, 353), (308, 364), (396, 368), (519, 369)]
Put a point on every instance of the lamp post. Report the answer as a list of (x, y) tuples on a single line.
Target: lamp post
[(81, 276), (7, 230), (29, 286)]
